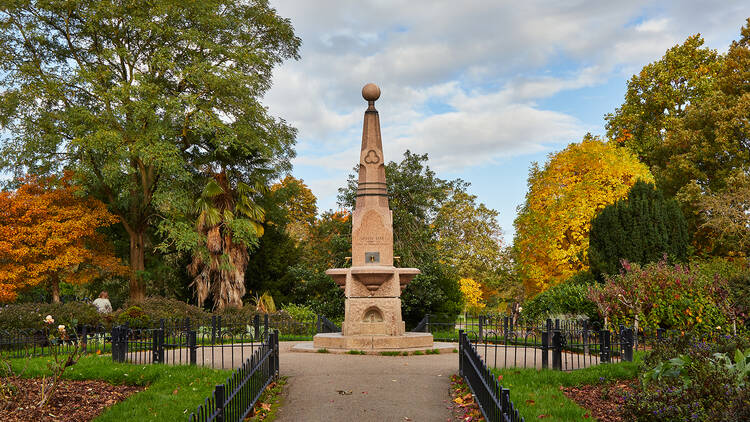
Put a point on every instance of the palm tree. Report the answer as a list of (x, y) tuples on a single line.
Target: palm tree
[(229, 221)]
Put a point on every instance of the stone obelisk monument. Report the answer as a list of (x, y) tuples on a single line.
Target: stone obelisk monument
[(372, 285)]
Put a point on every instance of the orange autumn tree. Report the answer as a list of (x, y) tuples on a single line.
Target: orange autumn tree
[(48, 235), (552, 227)]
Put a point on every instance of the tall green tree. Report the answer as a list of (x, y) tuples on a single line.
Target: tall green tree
[(140, 99), (712, 140), (657, 97), (686, 117), (640, 228), (710, 148), (469, 237)]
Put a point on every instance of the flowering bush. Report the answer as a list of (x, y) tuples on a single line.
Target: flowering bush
[(688, 379), (679, 297)]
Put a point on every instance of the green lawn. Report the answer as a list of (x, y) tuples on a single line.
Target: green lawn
[(173, 391), (536, 393)]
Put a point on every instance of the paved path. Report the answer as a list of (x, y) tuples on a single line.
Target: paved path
[(383, 388)]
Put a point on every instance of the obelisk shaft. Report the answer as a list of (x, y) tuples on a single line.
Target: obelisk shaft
[(372, 223)]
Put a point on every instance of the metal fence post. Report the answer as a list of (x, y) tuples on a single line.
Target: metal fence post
[(115, 343), (157, 346), (461, 352), (605, 344), (124, 332), (318, 327), (274, 339), (557, 350), (627, 344), (545, 348), (193, 346), (265, 324), (427, 323), (256, 327), (219, 397)]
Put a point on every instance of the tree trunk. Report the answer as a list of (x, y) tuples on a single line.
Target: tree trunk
[(137, 265), (54, 285)]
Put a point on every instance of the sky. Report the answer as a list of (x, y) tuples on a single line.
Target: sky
[(484, 87)]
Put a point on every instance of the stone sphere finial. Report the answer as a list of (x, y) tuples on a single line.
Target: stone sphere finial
[(370, 92)]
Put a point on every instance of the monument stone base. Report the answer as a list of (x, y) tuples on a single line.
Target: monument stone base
[(372, 342)]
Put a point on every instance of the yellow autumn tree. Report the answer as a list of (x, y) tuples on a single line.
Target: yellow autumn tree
[(552, 227), (472, 292)]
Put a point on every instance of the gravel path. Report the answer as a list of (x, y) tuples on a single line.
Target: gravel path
[(335, 387)]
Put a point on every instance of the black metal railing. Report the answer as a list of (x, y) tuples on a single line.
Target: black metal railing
[(493, 400), (22, 343), (326, 326), (557, 344), (213, 330), (234, 400), (179, 342)]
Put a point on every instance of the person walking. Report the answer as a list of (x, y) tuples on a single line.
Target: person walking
[(102, 303)]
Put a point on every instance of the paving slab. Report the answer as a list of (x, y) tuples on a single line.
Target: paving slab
[(363, 388)]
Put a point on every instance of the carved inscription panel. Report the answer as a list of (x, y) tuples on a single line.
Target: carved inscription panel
[(372, 239)]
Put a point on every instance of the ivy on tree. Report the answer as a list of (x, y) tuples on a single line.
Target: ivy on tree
[(641, 228), (145, 101)]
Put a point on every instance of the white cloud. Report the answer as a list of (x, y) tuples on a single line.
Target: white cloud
[(457, 140), (467, 81), (653, 25)]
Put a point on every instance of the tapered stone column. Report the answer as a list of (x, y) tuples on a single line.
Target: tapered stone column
[(372, 285)]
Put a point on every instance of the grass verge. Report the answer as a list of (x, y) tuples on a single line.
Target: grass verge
[(269, 402), (536, 394), (173, 391)]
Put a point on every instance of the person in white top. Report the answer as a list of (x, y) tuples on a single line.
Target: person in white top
[(102, 303)]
